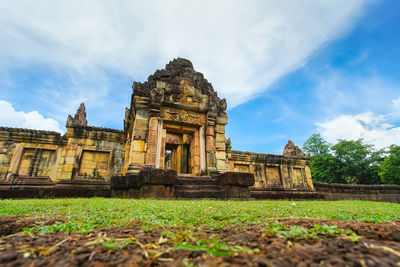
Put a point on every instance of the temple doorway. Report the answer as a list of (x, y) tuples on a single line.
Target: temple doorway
[(177, 157), (178, 152), (181, 148)]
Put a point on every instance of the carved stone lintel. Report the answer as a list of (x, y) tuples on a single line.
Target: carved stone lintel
[(184, 116)]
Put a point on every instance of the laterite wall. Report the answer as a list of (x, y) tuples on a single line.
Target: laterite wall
[(386, 193)]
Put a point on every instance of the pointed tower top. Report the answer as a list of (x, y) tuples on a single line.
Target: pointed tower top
[(80, 115), (293, 151)]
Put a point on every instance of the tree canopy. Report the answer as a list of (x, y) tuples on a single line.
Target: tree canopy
[(316, 145), (351, 161), (390, 167)]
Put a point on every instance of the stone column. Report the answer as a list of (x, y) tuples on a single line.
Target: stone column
[(210, 144), (162, 149), (195, 152), (221, 157), (139, 135), (152, 140), (203, 168), (159, 142)]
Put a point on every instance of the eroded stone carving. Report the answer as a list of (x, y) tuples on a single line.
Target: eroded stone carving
[(179, 82), (291, 150), (80, 117)]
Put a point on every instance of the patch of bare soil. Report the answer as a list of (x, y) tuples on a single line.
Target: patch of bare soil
[(131, 246)]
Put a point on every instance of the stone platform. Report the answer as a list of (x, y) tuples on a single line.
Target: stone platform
[(282, 193), (384, 193), (43, 187), (158, 183), (151, 183)]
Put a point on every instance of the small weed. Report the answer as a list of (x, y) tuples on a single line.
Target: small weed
[(372, 219), (298, 233), (217, 226), (215, 247), (182, 236), (147, 228), (67, 227), (113, 244), (317, 231), (242, 227), (186, 263), (110, 243)]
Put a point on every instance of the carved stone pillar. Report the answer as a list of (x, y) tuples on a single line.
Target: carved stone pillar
[(151, 154), (162, 148), (139, 135), (195, 149), (210, 143), (159, 142), (221, 157), (202, 150)]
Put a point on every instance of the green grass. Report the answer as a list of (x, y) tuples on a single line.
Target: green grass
[(295, 232), (85, 214)]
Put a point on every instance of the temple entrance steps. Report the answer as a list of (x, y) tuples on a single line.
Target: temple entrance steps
[(199, 187)]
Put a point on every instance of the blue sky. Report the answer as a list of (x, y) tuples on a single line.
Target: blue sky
[(288, 69)]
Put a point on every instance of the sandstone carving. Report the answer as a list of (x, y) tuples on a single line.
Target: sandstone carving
[(291, 150)]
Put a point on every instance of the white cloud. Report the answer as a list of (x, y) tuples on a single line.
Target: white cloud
[(9, 117), (373, 128), (241, 46)]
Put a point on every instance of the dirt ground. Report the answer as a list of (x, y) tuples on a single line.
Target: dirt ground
[(379, 245)]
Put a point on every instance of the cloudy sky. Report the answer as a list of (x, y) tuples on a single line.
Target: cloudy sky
[(287, 68)]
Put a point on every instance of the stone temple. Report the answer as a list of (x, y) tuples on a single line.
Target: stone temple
[(175, 121)]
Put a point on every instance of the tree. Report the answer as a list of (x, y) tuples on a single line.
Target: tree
[(316, 145), (358, 161), (326, 168), (323, 165), (390, 167)]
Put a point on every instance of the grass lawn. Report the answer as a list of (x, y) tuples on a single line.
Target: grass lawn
[(150, 232), (89, 213)]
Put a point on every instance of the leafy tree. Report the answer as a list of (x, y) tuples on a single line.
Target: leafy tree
[(323, 165), (358, 161), (326, 168), (390, 167), (316, 145), (344, 162)]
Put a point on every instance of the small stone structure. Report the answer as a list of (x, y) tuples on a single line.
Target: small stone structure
[(173, 145)]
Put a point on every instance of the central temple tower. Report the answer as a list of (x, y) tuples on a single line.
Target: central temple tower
[(176, 121)]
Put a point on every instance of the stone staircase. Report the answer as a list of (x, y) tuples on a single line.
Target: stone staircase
[(189, 187)]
